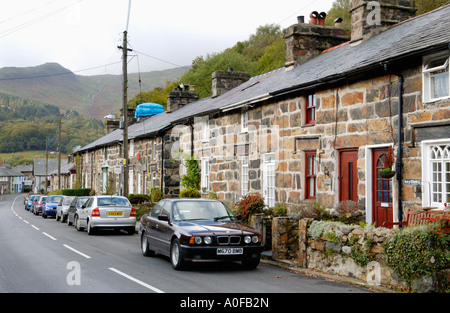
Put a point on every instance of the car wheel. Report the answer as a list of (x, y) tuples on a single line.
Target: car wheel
[(69, 223), (90, 230), (44, 215), (251, 263), (176, 255), (78, 223), (144, 246), (57, 216)]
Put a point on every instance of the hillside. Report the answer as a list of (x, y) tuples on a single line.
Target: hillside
[(94, 96)]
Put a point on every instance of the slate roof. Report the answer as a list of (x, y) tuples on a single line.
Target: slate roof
[(39, 166), (417, 36), (9, 172)]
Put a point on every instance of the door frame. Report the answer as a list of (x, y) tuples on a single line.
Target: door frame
[(369, 185), (341, 151)]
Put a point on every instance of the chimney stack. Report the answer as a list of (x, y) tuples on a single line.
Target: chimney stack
[(305, 41), (179, 97), (370, 18), (223, 81)]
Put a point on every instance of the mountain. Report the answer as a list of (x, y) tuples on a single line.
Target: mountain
[(94, 96)]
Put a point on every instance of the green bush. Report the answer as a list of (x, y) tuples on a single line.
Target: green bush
[(138, 198), (155, 194), (192, 177), (81, 192), (190, 193), (417, 251)]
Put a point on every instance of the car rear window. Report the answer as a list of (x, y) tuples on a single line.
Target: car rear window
[(112, 201)]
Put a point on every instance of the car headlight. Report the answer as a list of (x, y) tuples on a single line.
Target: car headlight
[(198, 240), (255, 239), (207, 240), (247, 239)]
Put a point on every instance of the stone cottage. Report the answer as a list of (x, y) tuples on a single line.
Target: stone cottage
[(316, 130)]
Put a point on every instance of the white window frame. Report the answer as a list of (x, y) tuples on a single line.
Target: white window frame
[(244, 120), (244, 175), (431, 187), (131, 150), (269, 179), (204, 183), (428, 72), (205, 128)]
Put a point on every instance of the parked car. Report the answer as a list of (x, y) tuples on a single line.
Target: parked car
[(31, 201), (50, 206), (107, 212), (189, 230), (25, 200), (37, 207), (74, 207), (62, 208)]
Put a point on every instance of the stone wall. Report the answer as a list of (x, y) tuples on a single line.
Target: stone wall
[(339, 249)]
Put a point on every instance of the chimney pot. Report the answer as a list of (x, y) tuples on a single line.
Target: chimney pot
[(322, 17), (314, 18), (301, 19)]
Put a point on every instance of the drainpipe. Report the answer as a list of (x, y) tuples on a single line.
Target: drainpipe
[(399, 163), (399, 149), (192, 139), (162, 163)]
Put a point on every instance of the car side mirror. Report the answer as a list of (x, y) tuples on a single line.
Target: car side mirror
[(238, 217), (163, 217)]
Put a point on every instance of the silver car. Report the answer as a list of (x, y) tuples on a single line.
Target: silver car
[(62, 208), (106, 212)]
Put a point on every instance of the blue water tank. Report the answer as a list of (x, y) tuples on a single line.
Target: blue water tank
[(148, 109)]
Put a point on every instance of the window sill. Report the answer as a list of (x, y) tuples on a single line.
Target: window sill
[(430, 101)]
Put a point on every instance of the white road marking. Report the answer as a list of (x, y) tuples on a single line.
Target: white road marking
[(137, 281), (34, 227), (52, 238), (76, 251)]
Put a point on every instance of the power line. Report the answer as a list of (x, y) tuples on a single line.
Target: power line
[(168, 62), (36, 20), (58, 74)]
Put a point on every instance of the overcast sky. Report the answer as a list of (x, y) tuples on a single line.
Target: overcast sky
[(84, 34)]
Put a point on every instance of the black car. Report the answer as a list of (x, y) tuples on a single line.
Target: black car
[(75, 205), (189, 230)]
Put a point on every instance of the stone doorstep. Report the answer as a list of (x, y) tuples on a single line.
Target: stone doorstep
[(266, 257)]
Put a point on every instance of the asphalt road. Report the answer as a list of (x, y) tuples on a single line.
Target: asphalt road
[(44, 256)]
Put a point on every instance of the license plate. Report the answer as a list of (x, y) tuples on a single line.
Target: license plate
[(229, 251), (115, 213)]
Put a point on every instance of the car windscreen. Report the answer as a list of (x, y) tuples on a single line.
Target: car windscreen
[(67, 200), (53, 199), (201, 210), (107, 201)]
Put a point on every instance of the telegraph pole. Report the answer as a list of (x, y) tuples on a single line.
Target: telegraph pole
[(125, 113), (59, 155)]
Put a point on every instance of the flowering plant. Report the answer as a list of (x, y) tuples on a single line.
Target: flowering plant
[(249, 205)]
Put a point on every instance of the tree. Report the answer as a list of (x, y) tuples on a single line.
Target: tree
[(424, 6), (340, 8)]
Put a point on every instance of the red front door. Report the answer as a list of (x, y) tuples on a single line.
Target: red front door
[(348, 175), (382, 190)]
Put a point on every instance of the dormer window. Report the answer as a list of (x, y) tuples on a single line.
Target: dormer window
[(436, 83)]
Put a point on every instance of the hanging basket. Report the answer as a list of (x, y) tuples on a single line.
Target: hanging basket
[(386, 173)]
